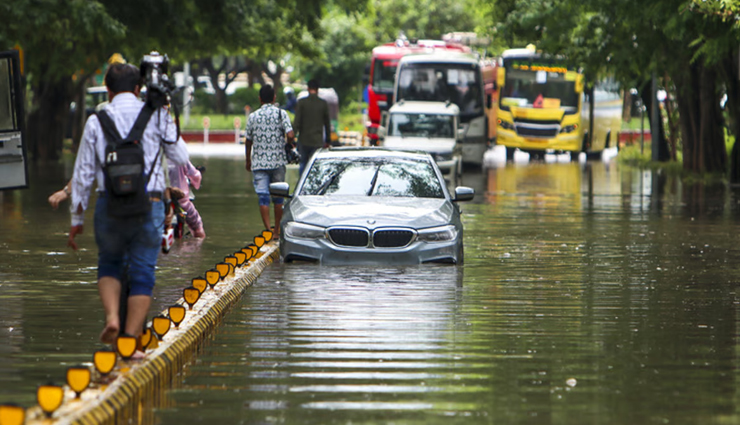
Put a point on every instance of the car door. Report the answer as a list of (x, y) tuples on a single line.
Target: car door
[(13, 158)]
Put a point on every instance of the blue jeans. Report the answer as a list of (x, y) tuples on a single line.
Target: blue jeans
[(262, 179), (131, 242)]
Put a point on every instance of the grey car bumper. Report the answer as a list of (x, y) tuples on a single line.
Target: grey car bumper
[(325, 252)]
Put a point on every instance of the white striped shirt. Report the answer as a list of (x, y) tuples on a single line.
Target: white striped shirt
[(123, 110)]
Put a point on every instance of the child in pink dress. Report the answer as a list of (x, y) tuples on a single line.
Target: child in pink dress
[(182, 177)]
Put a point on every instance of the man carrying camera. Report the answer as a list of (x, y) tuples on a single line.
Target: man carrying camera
[(127, 244), (267, 130)]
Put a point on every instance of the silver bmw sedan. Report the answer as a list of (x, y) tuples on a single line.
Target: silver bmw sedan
[(371, 206)]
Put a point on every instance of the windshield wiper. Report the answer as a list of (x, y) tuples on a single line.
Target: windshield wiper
[(375, 179), (325, 186)]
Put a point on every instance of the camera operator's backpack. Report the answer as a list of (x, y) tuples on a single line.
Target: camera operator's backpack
[(123, 169)]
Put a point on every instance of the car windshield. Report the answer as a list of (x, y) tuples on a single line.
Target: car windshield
[(394, 177), (421, 125)]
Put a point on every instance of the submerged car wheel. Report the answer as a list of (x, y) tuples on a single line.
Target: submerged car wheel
[(461, 255)]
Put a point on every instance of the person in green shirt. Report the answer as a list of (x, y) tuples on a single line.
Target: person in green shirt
[(311, 124)]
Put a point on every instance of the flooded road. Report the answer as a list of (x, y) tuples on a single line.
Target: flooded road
[(591, 294)]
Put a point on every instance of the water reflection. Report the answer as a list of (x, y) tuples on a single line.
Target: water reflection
[(591, 293)]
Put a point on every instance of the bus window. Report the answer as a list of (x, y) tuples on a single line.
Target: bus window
[(522, 88), (458, 83), (384, 74)]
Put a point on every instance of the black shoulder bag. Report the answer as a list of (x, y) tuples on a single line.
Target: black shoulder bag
[(292, 156)]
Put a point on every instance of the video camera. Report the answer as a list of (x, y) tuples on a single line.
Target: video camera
[(159, 88)]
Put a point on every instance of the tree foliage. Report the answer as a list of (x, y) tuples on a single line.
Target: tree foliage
[(66, 41)]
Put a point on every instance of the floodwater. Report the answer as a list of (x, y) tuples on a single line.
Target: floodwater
[(591, 294)]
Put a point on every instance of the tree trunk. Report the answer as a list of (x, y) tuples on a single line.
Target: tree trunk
[(713, 154), (647, 99), (49, 117), (701, 127), (731, 77)]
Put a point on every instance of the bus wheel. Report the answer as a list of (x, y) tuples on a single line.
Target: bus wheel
[(510, 153), (537, 155)]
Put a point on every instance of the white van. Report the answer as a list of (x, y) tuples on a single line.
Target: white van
[(426, 126)]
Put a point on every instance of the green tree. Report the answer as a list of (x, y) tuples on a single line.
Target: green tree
[(66, 41), (345, 51)]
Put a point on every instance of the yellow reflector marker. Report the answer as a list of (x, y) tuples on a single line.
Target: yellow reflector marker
[(248, 252), (153, 342), (267, 235), (78, 378), (254, 249), (126, 345), (12, 414), (145, 338), (231, 260), (177, 314), (200, 284), (240, 257), (223, 269), (104, 361), (50, 397), (231, 269), (212, 277), (259, 241), (191, 296), (161, 325)]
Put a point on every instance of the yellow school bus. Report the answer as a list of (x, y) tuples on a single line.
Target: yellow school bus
[(543, 108)]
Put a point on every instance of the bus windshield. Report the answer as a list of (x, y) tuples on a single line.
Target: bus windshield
[(384, 75), (422, 125), (458, 83), (538, 89)]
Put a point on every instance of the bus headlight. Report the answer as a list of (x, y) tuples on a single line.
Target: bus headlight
[(303, 231), (438, 234), (569, 128), (505, 125)]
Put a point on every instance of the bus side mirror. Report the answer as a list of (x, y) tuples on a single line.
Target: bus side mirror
[(500, 76)]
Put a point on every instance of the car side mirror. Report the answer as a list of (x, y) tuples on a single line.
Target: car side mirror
[(462, 194), (281, 189)]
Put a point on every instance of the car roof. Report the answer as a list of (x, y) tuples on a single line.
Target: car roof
[(372, 152), (423, 107)]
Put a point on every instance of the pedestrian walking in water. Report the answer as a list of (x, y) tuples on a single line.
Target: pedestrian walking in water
[(268, 128), (311, 124), (128, 241)]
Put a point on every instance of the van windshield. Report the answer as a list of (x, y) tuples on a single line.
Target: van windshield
[(421, 125), (456, 82)]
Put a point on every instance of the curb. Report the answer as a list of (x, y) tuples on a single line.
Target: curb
[(135, 387)]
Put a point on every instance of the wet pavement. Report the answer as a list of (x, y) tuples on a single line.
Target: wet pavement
[(591, 293)]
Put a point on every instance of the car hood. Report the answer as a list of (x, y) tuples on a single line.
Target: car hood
[(372, 211), (428, 144)]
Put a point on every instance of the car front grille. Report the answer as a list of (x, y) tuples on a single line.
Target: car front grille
[(349, 237), (395, 238)]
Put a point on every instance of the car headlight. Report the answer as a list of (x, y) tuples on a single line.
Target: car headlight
[(505, 125), (569, 128), (303, 231), (438, 234)]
